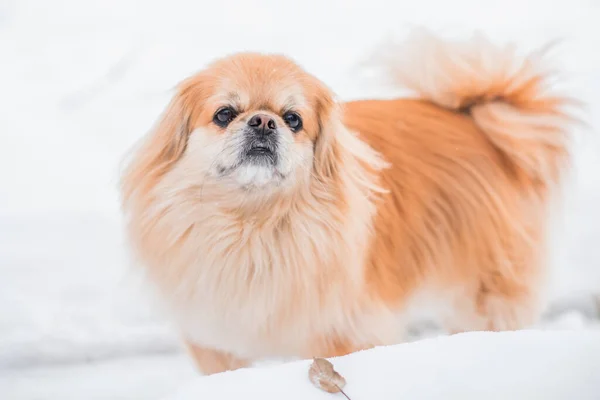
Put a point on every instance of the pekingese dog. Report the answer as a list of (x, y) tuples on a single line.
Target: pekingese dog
[(276, 221)]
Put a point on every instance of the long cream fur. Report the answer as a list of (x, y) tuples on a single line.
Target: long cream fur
[(390, 206)]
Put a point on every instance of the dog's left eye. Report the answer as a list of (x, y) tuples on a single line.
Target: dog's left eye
[(293, 120), (224, 116)]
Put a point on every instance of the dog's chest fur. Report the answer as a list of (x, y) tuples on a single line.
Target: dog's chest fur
[(262, 289)]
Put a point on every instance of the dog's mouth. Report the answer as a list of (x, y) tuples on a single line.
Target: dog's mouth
[(261, 154), (260, 151)]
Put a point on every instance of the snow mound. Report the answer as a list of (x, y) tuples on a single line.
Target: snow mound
[(526, 365)]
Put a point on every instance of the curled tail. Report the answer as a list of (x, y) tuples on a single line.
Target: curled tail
[(508, 96)]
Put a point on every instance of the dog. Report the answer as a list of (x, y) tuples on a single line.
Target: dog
[(277, 221)]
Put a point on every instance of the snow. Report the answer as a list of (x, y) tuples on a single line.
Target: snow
[(477, 365), (123, 378), (81, 81)]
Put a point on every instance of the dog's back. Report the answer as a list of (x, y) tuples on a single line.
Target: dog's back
[(473, 161)]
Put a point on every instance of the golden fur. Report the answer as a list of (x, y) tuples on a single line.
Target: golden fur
[(377, 207)]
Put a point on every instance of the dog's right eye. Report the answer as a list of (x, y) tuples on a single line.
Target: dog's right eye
[(224, 116)]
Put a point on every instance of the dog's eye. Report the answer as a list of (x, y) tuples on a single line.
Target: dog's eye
[(224, 116), (293, 120)]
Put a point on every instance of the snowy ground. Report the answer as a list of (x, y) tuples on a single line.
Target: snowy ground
[(80, 81), (470, 366)]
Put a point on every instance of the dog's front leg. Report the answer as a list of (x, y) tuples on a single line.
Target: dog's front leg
[(210, 361)]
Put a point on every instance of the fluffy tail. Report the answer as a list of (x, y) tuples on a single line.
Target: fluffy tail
[(508, 96)]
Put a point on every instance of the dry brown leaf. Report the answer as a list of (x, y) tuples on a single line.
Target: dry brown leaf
[(324, 377)]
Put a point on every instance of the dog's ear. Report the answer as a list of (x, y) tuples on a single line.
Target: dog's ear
[(160, 149), (327, 152), (337, 148)]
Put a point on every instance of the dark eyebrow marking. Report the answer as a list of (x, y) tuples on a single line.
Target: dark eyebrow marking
[(235, 99), (233, 96), (288, 105)]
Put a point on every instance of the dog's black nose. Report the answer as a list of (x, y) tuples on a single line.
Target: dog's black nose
[(263, 123)]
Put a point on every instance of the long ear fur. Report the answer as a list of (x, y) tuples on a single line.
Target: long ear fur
[(340, 154), (157, 152), (326, 150)]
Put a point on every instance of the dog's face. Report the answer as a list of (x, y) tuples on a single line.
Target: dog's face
[(258, 124), (248, 122)]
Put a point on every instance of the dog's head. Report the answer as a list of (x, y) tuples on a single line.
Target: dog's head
[(248, 123)]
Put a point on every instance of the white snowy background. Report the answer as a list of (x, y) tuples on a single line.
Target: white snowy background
[(81, 80)]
